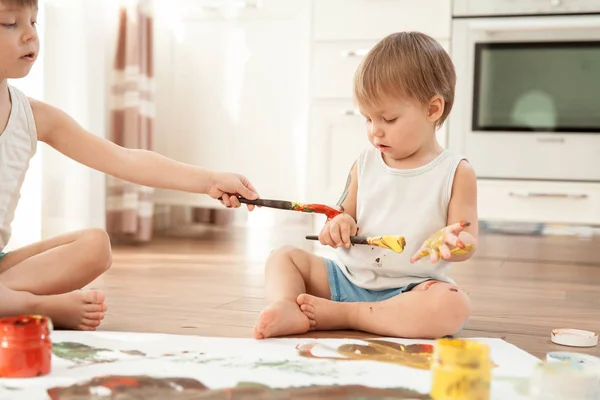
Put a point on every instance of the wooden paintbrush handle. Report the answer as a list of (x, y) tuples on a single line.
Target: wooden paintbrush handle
[(353, 239), (281, 204)]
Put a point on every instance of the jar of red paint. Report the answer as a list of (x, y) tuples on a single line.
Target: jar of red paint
[(25, 346)]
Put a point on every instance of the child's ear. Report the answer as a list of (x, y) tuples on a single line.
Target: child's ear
[(435, 108)]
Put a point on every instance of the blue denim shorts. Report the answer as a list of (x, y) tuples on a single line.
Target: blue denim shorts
[(345, 291), (2, 254)]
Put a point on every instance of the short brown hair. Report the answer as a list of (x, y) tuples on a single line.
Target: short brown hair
[(406, 64), (20, 3)]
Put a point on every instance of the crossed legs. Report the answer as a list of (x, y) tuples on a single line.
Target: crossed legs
[(298, 301), (45, 278)]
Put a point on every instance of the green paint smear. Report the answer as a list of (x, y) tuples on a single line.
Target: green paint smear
[(12, 389), (133, 353), (81, 353)]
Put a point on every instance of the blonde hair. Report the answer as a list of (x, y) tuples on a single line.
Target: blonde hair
[(20, 3), (406, 64)]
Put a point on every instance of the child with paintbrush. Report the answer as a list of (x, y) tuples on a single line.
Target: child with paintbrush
[(45, 277), (403, 183)]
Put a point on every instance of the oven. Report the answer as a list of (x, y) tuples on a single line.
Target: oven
[(527, 101)]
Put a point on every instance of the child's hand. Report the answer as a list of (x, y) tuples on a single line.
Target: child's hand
[(338, 230), (436, 245), (226, 186)]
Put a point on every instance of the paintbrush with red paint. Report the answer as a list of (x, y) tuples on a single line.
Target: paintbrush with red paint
[(329, 211)]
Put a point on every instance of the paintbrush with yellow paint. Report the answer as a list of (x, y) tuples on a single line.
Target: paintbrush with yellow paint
[(394, 243)]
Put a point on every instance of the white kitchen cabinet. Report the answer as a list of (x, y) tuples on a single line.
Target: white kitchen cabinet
[(334, 64), (374, 19), (538, 201), (337, 137), (232, 95)]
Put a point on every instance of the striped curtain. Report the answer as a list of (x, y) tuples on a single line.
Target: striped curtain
[(131, 103)]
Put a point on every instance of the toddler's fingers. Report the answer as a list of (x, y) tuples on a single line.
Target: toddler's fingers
[(433, 256), (250, 207), (325, 238), (336, 234), (345, 233), (453, 241), (459, 227), (417, 256), (445, 250)]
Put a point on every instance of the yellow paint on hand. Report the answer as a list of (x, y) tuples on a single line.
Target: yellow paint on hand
[(437, 239)]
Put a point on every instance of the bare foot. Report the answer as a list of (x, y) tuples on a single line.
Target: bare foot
[(325, 314), (279, 319), (81, 309)]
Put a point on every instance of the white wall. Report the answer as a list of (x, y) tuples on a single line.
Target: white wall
[(79, 43)]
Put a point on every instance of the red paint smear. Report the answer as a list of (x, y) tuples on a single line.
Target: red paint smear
[(120, 382), (330, 212), (429, 284)]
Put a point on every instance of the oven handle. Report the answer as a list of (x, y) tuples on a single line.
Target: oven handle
[(549, 195), (574, 22), (355, 53)]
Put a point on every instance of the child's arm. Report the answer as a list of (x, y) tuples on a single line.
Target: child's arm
[(347, 200), (462, 207), (142, 167), (337, 232)]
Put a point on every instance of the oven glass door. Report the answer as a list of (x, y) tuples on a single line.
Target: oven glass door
[(537, 86), (527, 102)]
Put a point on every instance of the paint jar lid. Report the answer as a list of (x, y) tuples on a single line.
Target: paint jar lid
[(565, 381), (25, 327), (574, 337), (460, 352)]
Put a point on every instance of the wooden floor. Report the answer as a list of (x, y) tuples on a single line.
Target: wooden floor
[(211, 284)]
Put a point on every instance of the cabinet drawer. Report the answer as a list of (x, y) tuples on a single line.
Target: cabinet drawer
[(191, 10), (374, 19), (544, 202), (335, 63), (529, 7)]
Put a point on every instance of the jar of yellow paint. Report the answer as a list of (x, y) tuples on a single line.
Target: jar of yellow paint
[(461, 370)]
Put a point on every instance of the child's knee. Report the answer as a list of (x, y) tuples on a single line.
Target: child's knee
[(454, 306), (286, 251), (97, 244)]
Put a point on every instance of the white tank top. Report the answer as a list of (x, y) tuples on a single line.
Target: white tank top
[(408, 202), (18, 144)]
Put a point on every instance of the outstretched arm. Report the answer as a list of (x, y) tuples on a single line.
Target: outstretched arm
[(143, 167)]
